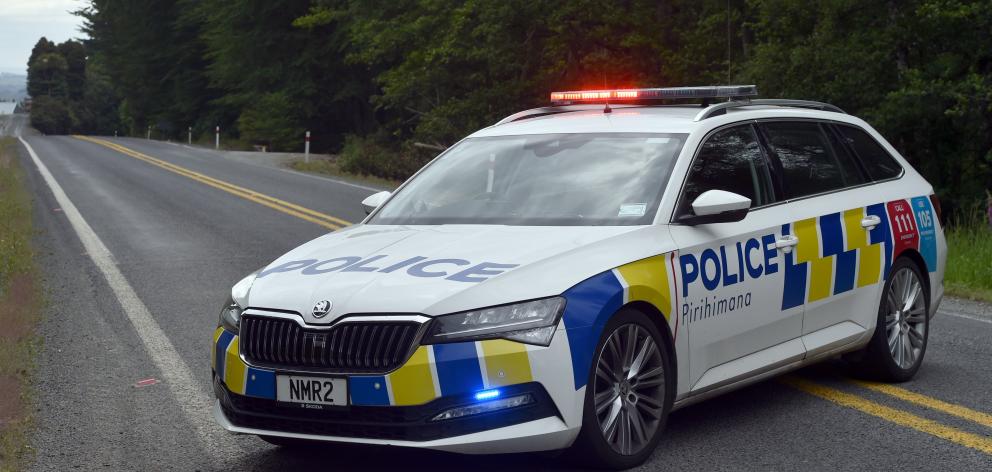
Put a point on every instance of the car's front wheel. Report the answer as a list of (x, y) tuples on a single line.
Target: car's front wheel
[(629, 394), (896, 350)]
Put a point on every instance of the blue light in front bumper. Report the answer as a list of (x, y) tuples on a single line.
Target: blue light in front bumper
[(487, 395)]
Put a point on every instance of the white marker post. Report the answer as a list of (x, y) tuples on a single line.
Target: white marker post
[(149, 133), (189, 136), (217, 137), (306, 148)]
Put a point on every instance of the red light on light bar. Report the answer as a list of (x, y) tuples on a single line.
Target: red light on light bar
[(669, 93)]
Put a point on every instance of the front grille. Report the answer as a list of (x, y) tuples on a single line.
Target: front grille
[(361, 346)]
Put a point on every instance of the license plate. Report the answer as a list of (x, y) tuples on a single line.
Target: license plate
[(313, 390)]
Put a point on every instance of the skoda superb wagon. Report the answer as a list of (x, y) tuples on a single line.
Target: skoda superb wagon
[(570, 275)]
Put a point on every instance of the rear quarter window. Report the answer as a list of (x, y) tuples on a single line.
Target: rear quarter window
[(879, 164)]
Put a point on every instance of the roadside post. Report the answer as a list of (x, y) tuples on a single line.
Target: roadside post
[(189, 136), (149, 136), (306, 148), (217, 137)]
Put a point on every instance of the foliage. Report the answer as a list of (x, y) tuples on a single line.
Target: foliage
[(51, 115), (269, 120), (398, 72), (969, 250), (370, 156)]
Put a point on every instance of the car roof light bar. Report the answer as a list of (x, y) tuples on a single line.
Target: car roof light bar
[(651, 94)]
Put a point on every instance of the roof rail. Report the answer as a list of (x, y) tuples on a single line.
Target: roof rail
[(716, 109)]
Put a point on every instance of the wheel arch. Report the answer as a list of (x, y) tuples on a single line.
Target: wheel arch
[(658, 319), (917, 259)]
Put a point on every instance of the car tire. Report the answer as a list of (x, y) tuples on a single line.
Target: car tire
[(637, 401), (291, 443), (896, 349)]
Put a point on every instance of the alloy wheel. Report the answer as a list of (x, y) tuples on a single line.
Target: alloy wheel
[(905, 318), (629, 390)]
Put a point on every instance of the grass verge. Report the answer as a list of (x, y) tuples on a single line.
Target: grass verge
[(20, 309), (969, 257), (329, 167)]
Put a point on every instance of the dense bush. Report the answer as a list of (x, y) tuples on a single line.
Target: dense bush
[(375, 156), (51, 115)]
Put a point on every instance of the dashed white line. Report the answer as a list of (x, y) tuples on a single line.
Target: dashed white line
[(195, 405)]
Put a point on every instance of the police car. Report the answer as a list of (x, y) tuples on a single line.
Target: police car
[(570, 275)]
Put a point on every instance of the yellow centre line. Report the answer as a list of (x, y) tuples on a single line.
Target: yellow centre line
[(293, 209), (899, 417), (979, 417)]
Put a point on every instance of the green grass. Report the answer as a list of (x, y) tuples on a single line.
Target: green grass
[(20, 309), (969, 257), (329, 167)]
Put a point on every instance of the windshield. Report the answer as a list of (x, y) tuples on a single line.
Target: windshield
[(548, 179)]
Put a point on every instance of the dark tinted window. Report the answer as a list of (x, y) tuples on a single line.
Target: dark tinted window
[(810, 164), (729, 160), (877, 161)]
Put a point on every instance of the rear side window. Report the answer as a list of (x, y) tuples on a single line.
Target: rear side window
[(879, 164), (730, 160), (810, 163)]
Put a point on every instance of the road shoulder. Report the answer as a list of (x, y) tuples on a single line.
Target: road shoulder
[(20, 307)]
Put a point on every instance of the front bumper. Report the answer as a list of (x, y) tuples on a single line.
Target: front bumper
[(403, 426), (396, 408)]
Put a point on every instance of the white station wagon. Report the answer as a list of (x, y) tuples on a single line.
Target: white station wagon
[(570, 275)]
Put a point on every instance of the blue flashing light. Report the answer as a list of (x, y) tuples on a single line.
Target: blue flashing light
[(487, 394)]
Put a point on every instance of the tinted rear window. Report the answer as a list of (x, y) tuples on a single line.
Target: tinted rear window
[(876, 160), (810, 163)]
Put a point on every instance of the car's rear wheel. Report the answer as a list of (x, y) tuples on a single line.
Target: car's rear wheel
[(896, 350), (629, 394)]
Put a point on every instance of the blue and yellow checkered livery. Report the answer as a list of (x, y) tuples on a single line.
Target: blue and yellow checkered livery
[(431, 372), (836, 254)]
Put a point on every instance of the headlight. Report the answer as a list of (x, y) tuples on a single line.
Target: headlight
[(532, 322), (230, 314)]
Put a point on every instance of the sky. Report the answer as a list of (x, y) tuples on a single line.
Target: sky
[(23, 22)]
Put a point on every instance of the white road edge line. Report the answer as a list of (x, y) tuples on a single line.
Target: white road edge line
[(965, 316), (196, 406)]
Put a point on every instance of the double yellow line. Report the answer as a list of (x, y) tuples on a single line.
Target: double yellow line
[(288, 208), (903, 418)]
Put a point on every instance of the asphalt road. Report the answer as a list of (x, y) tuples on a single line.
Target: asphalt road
[(180, 243)]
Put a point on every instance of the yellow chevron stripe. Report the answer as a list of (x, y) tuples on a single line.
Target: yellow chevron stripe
[(857, 237), (808, 248), (506, 362), (234, 369), (413, 383), (869, 264), (647, 280)]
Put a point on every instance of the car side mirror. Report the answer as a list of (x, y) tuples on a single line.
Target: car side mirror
[(717, 206), (373, 201)]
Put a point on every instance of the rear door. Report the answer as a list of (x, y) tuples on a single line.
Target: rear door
[(842, 229), (730, 275)]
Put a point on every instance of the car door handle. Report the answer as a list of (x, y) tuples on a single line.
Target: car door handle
[(785, 243), (870, 222)]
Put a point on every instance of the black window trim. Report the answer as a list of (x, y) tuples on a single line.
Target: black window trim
[(835, 126), (774, 175), (776, 165)]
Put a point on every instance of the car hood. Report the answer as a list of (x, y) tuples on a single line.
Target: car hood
[(435, 270)]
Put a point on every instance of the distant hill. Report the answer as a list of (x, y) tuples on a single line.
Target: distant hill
[(13, 86)]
